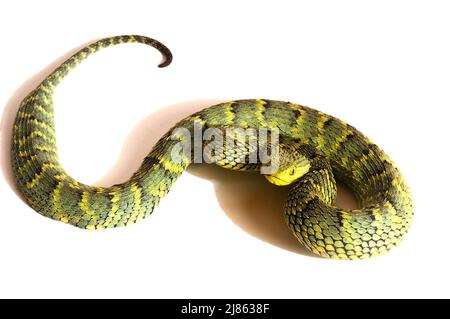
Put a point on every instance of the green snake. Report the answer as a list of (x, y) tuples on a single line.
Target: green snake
[(314, 150)]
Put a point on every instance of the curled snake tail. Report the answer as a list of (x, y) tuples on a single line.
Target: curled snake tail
[(61, 71), (51, 191)]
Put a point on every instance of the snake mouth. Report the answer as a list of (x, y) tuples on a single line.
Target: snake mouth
[(276, 180)]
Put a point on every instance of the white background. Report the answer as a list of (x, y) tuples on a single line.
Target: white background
[(382, 66)]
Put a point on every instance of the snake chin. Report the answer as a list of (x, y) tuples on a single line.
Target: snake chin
[(277, 181), (290, 174)]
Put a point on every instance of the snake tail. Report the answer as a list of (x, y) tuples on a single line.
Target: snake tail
[(48, 188)]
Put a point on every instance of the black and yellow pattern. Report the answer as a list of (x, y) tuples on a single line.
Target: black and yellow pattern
[(323, 148)]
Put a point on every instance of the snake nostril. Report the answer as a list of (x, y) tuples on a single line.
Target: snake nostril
[(292, 172)]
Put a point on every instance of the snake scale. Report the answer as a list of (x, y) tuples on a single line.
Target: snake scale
[(317, 149)]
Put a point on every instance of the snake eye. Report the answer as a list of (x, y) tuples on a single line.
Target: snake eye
[(292, 172)]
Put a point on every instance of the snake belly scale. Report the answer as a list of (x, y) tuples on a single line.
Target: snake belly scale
[(330, 147)]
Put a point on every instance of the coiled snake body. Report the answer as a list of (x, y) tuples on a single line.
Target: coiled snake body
[(317, 148)]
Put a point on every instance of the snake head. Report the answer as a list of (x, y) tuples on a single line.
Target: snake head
[(290, 165)]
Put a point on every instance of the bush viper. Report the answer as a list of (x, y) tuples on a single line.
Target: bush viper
[(315, 149)]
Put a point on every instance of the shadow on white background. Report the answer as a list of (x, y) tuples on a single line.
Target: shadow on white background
[(252, 203)]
